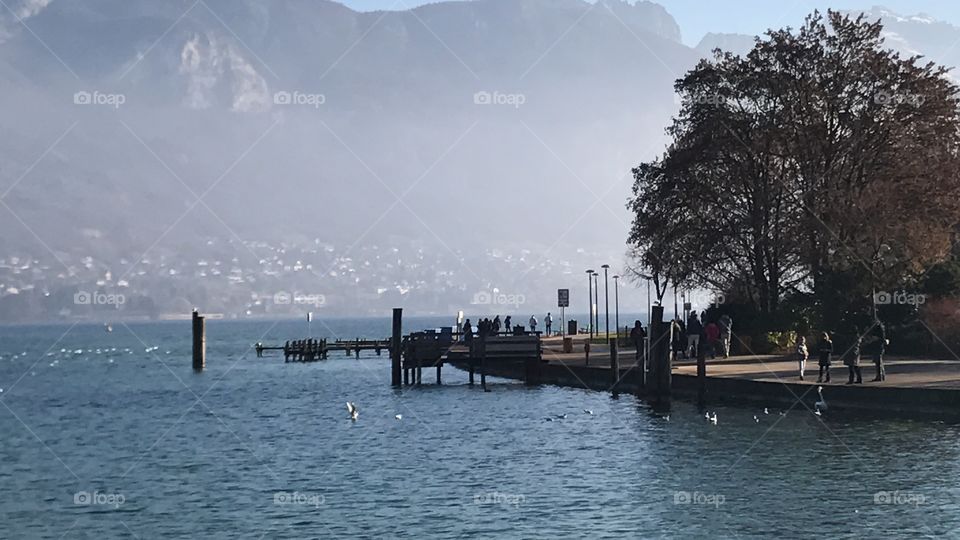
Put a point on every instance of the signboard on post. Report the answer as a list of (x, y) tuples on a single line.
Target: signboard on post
[(563, 298)]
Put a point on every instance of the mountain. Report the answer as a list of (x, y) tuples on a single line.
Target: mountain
[(456, 127)]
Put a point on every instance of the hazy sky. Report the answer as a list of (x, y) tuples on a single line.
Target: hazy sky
[(697, 17)]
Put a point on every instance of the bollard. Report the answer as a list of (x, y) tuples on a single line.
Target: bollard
[(199, 342)]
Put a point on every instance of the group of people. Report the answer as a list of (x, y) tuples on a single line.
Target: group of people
[(873, 342), (486, 327), (716, 336)]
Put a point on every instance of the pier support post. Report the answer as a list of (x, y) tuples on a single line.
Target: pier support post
[(614, 363), (657, 350), (702, 370), (395, 345), (199, 342), (483, 356), (438, 373)]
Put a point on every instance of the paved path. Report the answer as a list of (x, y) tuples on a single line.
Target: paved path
[(901, 372)]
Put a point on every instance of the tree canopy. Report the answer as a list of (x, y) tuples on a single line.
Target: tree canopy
[(820, 165)]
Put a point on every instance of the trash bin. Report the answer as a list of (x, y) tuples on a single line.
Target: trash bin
[(568, 344), (572, 327)]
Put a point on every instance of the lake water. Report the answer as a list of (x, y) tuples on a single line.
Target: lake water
[(102, 438)]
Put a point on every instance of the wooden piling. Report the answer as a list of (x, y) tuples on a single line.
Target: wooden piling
[(395, 345), (483, 355), (702, 370), (199, 342), (656, 350), (614, 362)]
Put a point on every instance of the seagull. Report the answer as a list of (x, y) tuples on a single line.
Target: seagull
[(783, 413), (667, 418), (352, 409), (755, 419), (821, 405), (561, 416), (713, 419), (706, 416), (588, 411), (548, 419), (766, 410), (399, 417)]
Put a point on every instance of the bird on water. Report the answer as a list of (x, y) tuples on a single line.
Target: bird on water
[(352, 409)]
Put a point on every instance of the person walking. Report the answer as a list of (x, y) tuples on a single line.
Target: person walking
[(825, 349), (638, 337), (694, 329), (496, 324), (879, 348), (802, 355), (713, 336), (726, 333), (852, 359), (548, 323), (533, 324), (506, 325)]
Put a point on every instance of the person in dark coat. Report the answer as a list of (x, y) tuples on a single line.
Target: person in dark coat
[(496, 324), (506, 325), (852, 360), (467, 332), (879, 346), (826, 350), (638, 337)]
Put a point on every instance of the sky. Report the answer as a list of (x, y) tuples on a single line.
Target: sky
[(698, 17)]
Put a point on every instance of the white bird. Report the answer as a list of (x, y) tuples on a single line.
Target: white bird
[(667, 418), (399, 417), (561, 416), (706, 416), (755, 419), (352, 409), (821, 405), (783, 413), (713, 419), (766, 410), (588, 411)]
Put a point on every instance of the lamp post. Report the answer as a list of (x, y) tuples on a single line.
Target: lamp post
[(606, 299), (616, 302), (596, 301), (590, 307)]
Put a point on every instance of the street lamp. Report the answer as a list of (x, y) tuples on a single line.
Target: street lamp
[(606, 299), (590, 307), (616, 302), (596, 300)]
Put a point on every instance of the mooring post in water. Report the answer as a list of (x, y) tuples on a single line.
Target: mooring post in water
[(483, 370), (702, 369), (656, 348), (395, 345), (614, 363), (199, 342)]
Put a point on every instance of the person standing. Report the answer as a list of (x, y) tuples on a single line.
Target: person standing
[(467, 333), (496, 324), (533, 324), (713, 336), (802, 355), (548, 323), (826, 350), (879, 348), (638, 337), (852, 359), (506, 325), (726, 333), (694, 329)]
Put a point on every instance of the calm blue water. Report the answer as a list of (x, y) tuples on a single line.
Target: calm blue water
[(101, 438)]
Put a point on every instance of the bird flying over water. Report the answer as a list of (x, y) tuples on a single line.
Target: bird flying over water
[(352, 409), (713, 418), (821, 405)]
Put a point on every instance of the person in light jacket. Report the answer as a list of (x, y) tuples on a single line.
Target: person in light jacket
[(802, 355)]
